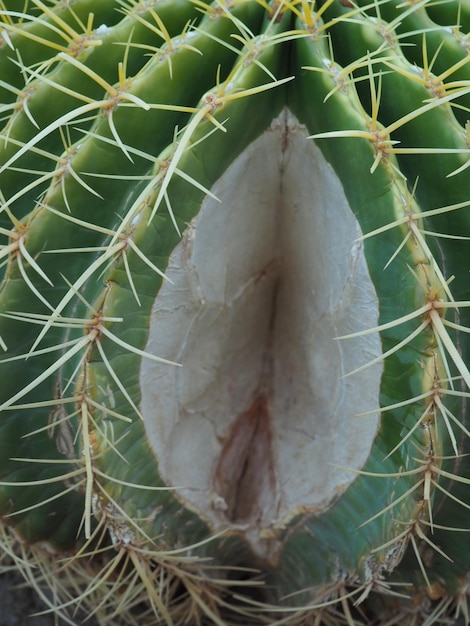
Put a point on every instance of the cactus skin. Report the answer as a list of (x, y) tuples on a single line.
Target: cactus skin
[(108, 152)]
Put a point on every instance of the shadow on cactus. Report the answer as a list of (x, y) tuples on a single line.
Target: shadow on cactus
[(235, 309)]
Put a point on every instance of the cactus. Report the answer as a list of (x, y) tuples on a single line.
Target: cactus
[(234, 309)]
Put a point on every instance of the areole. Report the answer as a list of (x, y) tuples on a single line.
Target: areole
[(255, 424)]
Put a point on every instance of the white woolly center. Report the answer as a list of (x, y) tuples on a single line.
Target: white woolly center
[(255, 424)]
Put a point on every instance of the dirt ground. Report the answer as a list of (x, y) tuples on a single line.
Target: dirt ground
[(18, 604)]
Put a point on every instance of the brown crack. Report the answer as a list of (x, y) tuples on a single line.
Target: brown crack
[(244, 477)]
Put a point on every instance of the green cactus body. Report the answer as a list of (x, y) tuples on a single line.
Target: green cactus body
[(234, 309)]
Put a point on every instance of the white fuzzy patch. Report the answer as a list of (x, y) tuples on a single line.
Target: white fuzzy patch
[(263, 282)]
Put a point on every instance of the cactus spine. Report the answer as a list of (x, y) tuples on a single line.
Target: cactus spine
[(234, 308)]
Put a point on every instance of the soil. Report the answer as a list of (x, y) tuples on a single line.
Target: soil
[(19, 605)]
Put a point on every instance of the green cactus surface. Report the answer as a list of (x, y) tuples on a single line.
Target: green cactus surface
[(235, 309)]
